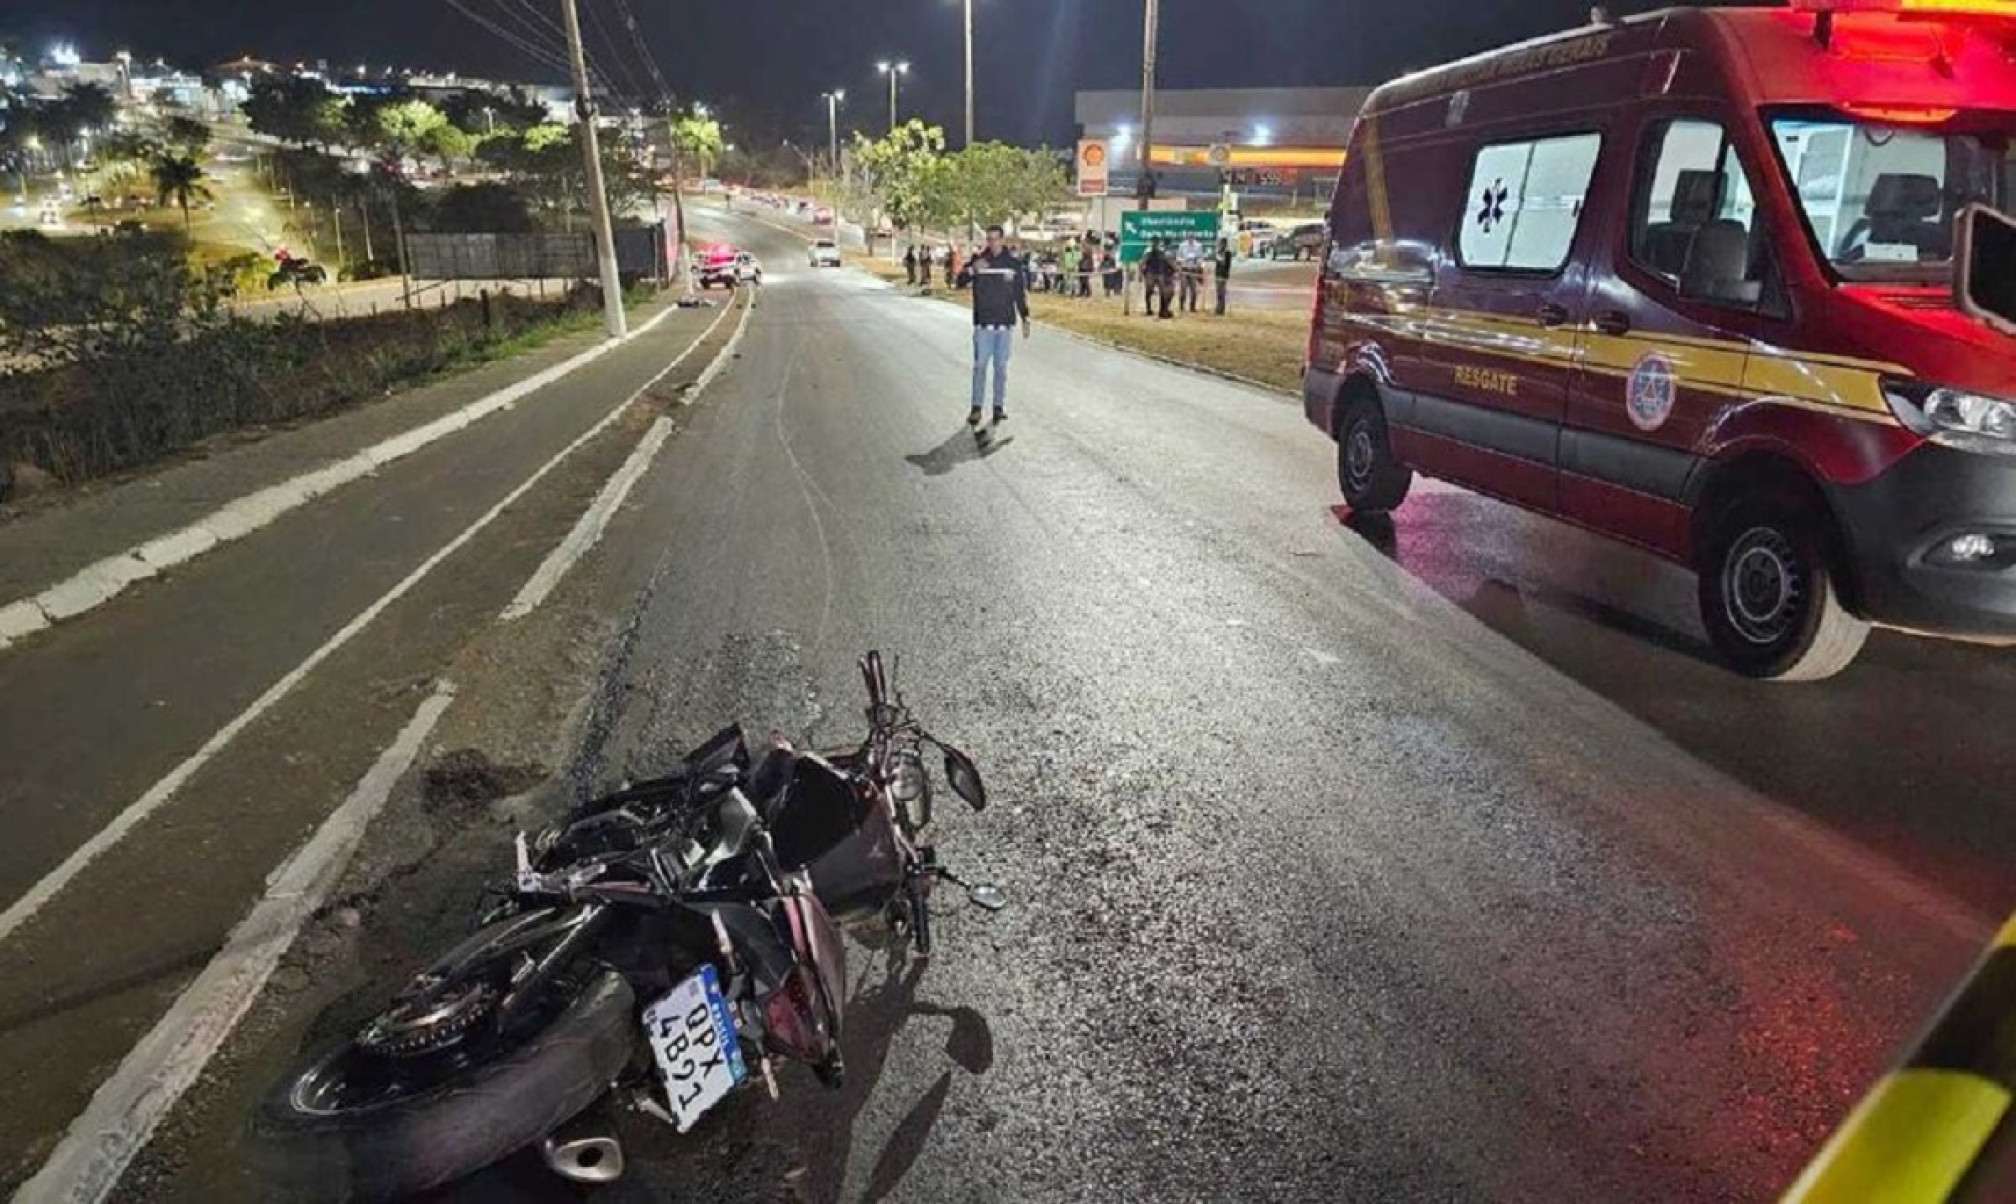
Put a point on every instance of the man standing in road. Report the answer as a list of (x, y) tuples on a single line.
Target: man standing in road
[(910, 262), (1000, 302), (1222, 272)]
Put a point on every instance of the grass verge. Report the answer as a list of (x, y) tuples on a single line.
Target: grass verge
[(1264, 346), (118, 413)]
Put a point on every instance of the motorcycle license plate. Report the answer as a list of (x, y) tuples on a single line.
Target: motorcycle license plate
[(692, 1035)]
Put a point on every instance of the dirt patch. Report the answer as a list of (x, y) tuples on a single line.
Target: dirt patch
[(466, 779)]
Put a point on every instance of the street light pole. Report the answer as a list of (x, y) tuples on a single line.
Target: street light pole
[(598, 201), (892, 70), (833, 100), (969, 72)]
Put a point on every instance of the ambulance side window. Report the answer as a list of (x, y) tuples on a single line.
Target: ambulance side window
[(1694, 220), (1525, 203)]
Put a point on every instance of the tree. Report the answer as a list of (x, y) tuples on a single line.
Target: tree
[(404, 127), (124, 156), (187, 135), (484, 209), (295, 109), (992, 182), (481, 114), (90, 105), (697, 138), (180, 178), (899, 166), (448, 143)]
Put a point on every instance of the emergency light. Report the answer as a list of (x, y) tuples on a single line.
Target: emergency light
[(1912, 8)]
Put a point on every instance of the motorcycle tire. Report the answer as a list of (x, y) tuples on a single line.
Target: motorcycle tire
[(476, 1115)]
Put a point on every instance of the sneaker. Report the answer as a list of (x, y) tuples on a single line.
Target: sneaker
[(1000, 416), (973, 416)]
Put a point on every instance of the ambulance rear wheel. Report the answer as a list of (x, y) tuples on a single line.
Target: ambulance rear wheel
[(1372, 480), (1770, 593)]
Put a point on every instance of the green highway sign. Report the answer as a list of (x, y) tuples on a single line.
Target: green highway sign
[(1137, 228)]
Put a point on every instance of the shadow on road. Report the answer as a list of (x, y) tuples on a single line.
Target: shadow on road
[(960, 447), (1884, 753), (876, 1015)]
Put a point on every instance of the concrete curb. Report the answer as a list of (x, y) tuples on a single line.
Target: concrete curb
[(98, 583)]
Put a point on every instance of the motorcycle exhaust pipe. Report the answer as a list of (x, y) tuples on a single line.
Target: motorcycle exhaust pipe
[(584, 1159)]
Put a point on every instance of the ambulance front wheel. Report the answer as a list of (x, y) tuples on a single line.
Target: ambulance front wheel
[(1770, 591)]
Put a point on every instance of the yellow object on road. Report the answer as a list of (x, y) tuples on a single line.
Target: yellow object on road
[(1917, 1135)]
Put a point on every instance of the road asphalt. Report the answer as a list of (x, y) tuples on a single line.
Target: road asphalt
[(1432, 861)]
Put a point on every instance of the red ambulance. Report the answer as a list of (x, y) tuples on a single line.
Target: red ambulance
[(1734, 285)]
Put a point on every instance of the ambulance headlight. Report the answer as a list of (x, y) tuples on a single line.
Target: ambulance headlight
[(1954, 417)]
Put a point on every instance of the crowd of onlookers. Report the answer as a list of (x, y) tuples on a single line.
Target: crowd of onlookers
[(1172, 274)]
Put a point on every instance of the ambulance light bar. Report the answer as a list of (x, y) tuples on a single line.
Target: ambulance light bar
[(1911, 8)]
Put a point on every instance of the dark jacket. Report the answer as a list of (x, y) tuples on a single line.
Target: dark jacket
[(1157, 267), (1000, 293), (1224, 265)]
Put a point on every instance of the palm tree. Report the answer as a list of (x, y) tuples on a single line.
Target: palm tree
[(180, 177)]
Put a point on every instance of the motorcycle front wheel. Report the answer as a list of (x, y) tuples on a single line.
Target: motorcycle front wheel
[(354, 1125)]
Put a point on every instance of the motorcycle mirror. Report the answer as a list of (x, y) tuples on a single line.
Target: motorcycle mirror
[(987, 896), (965, 777)]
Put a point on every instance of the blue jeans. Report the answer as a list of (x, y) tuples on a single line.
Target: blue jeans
[(991, 345)]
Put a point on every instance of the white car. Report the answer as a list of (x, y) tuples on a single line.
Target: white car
[(824, 254)]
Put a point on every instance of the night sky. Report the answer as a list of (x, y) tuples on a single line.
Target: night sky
[(766, 61)]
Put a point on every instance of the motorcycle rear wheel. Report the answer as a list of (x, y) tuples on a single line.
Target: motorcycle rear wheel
[(317, 1142)]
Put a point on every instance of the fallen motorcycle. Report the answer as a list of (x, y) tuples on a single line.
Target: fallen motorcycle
[(668, 941)]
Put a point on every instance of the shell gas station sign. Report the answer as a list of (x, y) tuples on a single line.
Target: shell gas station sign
[(1094, 162)]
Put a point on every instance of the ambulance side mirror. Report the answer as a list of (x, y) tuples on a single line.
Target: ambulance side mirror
[(1984, 266)]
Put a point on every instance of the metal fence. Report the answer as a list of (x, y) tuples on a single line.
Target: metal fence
[(640, 252)]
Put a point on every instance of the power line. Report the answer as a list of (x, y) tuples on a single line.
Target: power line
[(643, 50), (542, 56), (545, 31), (615, 52)]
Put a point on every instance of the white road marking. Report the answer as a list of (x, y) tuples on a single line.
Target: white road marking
[(1322, 658), (19, 911), (588, 529), (99, 582), (125, 1109)]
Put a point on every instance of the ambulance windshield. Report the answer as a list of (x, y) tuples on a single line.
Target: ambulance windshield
[(1880, 196)]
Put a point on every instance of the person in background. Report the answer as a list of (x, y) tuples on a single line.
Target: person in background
[(1156, 267), (999, 304), (1222, 272), (1190, 273), (1070, 269), (910, 263), (1111, 267), (952, 266), (924, 266)]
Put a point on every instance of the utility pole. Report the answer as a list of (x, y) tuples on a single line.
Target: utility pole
[(1148, 39), (1150, 21), (969, 71), (598, 200)]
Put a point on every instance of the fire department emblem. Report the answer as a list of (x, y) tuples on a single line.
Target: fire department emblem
[(1649, 394)]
